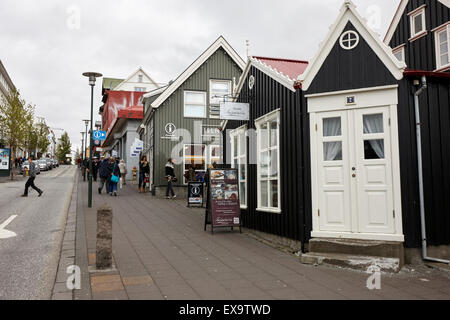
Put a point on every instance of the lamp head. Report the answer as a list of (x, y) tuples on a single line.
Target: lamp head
[(92, 77)]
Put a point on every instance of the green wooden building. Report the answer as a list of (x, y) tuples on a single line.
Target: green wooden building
[(182, 120)]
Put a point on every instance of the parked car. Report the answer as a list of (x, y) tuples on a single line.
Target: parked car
[(49, 163), (43, 165), (26, 165), (56, 163)]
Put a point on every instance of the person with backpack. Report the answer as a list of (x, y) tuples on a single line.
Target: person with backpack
[(144, 171), (104, 175), (114, 177)]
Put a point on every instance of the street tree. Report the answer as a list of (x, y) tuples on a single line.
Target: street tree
[(43, 142), (15, 118), (64, 148)]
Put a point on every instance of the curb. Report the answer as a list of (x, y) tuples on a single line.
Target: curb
[(67, 253)]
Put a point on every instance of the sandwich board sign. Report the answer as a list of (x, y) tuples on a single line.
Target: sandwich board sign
[(223, 207), (195, 193)]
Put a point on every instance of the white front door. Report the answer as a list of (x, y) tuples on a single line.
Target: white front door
[(354, 171), (374, 171), (334, 172)]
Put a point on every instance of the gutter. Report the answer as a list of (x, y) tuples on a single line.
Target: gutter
[(420, 169)]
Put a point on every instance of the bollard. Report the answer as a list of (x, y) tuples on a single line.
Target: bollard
[(104, 237)]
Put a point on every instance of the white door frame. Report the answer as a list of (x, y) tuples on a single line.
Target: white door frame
[(362, 98)]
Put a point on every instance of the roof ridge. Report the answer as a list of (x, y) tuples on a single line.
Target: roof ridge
[(280, 59)]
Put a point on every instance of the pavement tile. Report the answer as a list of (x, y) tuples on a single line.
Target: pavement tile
[(287, 294), (62, 296), (132, 281), (152, 295), (92, 258), (61, 287), (110, 295), (105, 283)]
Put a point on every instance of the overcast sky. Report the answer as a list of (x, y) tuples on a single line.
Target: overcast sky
[(46, 45)]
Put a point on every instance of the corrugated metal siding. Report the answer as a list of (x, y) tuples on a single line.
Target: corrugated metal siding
[(218, 66), (351, 69), (435, 118), (421, 53), (266, 96)]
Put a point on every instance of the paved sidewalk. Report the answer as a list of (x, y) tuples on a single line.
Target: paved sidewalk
[(161, 252)]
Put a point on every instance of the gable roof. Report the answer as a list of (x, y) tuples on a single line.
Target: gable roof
[(285, 71), (347, 14), (398, 16), (139, 70), (219, 43)]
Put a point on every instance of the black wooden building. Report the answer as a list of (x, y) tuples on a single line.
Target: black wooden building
[(348, 157)]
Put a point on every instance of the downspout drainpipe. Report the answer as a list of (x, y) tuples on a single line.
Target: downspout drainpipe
[(420, 168)]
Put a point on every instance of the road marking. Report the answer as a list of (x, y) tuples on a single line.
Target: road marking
[(5, 234)]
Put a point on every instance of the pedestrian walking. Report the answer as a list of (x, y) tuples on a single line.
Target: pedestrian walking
[(123, 173), (114, 176), (95, 165), (144, 169), (84, 168), (104, 175), (31, 178), (171, 178)]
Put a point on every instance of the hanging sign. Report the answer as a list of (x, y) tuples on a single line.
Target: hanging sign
[(234, 111), (195, 193), (224, 204), (99, 135)]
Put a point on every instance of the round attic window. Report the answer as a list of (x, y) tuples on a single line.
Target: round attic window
[(349, 40), (251, 82)]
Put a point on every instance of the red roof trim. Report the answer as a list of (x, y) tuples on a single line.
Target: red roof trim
[(432, 74), (280, 59)]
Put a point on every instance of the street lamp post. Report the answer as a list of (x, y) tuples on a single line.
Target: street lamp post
[(92, 77)]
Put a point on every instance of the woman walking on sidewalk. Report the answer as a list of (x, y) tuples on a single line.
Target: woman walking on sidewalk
[(144, 169), (113, 180), (171, 178)]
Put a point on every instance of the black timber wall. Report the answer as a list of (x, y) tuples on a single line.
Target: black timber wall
[(435, 119), (268, 95), (421, 53), (351, 69)]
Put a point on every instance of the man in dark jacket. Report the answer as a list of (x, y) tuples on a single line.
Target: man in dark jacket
[(95, 165), (171, 178), (32, 177), (104, 175)]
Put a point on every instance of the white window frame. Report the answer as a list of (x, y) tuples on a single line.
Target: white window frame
[(412, 17), (240, 159), (274, 115), (200, 157), (210, 149), (203, 105), (437, 31), (140, 89), (140, 78), (399, 49), (211, 94)]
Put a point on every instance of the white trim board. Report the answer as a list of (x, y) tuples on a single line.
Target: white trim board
[(364, 98), (269, 71), (219, 43), (347, 14)]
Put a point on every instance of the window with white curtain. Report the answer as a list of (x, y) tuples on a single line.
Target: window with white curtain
[(269, 189), (194, 104), (442, 38), (239, 160)]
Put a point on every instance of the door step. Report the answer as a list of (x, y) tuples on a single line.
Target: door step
[(358, 262), (372, 248)]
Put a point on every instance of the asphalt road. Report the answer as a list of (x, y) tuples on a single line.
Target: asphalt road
[(29, 260)]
